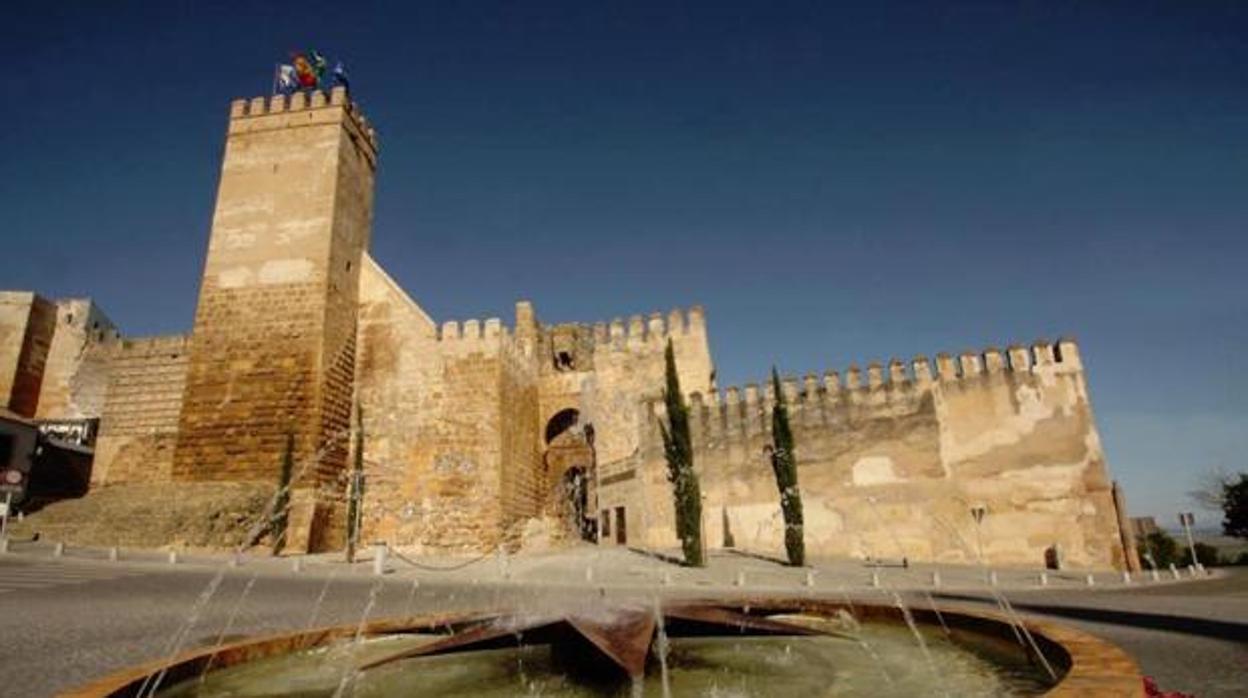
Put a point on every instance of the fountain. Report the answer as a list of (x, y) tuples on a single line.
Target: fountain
[(632, 647)]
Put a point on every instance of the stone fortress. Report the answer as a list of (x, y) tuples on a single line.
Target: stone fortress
[(476, 434)]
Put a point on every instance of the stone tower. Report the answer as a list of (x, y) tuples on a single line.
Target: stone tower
[(273, 346)]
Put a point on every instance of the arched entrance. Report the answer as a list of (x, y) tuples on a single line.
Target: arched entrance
[(569, 460)]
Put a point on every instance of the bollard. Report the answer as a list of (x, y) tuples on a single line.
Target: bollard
[(936, 579), (114, 554), (1174, 571), (1200, 568), (379, 558), (740, 581), (296, 565), (1191, 571), (667, 578), (1153, 573), (4, 545), (1126, 577), (234, 561), (992, 578), (1091, 580), (1044, 579), (589, 574), (58, 550), (875, 578), (173, 557), (810, 578)]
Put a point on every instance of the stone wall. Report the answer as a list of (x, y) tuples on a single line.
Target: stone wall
[(75, 380), (272, 349), (891, 468), (27, 327), (139, 424)]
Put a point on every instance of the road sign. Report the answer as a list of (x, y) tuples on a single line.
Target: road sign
[(12, 481)]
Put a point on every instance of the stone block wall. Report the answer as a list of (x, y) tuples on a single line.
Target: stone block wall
[(892, 462), (76, 376), (27, 327), (617, 368), (139, 424), (272, 350)]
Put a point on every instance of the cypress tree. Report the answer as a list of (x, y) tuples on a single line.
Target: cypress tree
[(784, 465), (281, 505), (678, 448)]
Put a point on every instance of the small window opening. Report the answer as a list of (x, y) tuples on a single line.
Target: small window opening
[(564, 361)]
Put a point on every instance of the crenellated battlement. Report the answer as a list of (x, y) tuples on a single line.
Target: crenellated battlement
[(300, 109), (472, 330), (896, 386), (637, 330)]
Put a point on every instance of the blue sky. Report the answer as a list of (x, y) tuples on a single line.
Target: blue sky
[(835, 184)]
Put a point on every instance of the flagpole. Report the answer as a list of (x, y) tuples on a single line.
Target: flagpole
[(276, 69)]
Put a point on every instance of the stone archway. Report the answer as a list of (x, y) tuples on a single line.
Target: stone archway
[(570, 475)]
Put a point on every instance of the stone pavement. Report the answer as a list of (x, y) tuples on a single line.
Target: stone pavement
[(88, 615)]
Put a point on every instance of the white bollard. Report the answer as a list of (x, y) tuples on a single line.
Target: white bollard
[(1126, 577), (4, 545), (936, 579), (667, 578), (114, 554), (1091, 580), (58, 550), (234, 560), (875, 579), (1044, 579), (589, 574), (810, 578), (1191, 571), (740, 580), (1153, 573), (992, 578), (1200, 568), (1174, 571), (173, 557), (379, 558), (296, 565)]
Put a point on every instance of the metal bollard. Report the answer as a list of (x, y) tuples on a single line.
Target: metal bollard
[(875, 579), (810, 578), (4, 545), (1153, 573), (173, 557), (58, 550), (1091, 580), (1126, 577), (296, 565), (1174, 571), (1044, 579), (114, 554), (589, 574), (992, 578), (1191, 571), (935, 579), (379, 558), (740, 580)]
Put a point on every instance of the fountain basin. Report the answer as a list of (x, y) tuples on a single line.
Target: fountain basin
[(458, 647)]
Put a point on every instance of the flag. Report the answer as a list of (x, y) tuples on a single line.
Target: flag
[(304, 72), (340, 76), (287, 78), (318, 63)]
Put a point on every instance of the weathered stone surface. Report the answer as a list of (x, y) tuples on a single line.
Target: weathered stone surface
[(477, 435), (893, 470)]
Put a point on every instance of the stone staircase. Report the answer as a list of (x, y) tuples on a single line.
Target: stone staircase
[(179, 515)]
